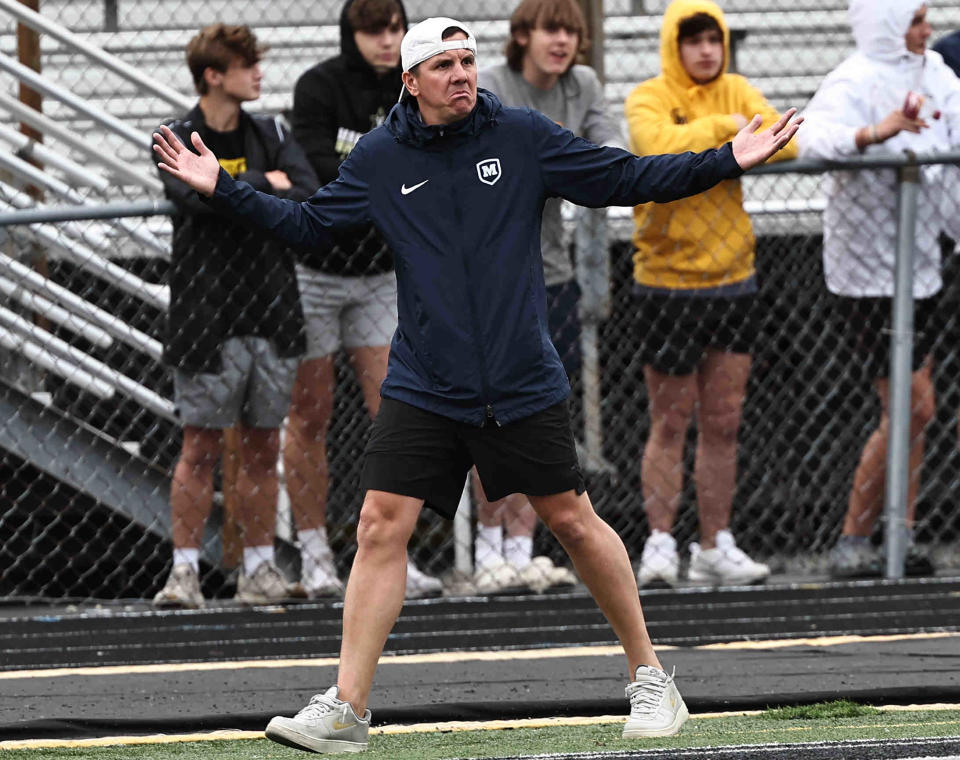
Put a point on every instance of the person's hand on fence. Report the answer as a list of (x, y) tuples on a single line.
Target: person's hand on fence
[(198, 170), (751, 148)]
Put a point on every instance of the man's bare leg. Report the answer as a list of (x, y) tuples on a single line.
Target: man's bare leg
[(305, 445), (601, 561), (370, 368), (866, 496), (191, 491), (375, 590), (672, 400), (257, 484), (723, 380), (513, 513)]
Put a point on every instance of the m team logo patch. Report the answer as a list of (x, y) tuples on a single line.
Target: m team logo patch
[(489, 170)]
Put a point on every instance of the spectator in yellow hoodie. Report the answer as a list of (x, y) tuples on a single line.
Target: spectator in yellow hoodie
[(694, 292)]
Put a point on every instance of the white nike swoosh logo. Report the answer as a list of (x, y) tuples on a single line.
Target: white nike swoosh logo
[(404, 190)]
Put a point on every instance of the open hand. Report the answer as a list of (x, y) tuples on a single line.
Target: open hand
[(896, 122), (751, 148), (198, 171)]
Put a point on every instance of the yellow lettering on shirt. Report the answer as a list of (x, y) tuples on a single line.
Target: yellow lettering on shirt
[(234, 166)]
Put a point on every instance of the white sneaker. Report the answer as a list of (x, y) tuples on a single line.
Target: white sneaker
[(541, 574), (326, 724), (320, 579), (419, 584), (267, 585), (726, 564), (497, 578), (660, 562), (181, 591), (656, 707)]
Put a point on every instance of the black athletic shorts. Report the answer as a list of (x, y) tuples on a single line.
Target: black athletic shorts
[(674, 331), (865, 328), (413, 452)]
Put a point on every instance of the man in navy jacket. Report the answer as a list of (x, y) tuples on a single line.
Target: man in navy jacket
[(456, 184)]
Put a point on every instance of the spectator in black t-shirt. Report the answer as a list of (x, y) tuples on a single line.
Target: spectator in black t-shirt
[(235, 326), (349, 292)]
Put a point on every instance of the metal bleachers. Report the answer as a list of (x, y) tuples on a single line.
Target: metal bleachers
[(785, 52)]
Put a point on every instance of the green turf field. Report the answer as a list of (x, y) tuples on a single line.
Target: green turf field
[(833, 722)]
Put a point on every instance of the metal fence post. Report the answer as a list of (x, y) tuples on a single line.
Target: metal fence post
[(593, 275), (901, 353)]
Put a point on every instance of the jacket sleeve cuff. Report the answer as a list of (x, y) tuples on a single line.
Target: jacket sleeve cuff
[(225, 183), (850, 140), (729, 166)]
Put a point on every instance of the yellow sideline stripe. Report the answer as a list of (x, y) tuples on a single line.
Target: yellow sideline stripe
[(450, 657), (417, 728), (829, 641)]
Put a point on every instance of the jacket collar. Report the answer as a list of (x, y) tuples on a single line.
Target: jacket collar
[(406, 126)]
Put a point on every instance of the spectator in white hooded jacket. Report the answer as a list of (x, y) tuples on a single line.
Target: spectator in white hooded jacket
[(860, 108)]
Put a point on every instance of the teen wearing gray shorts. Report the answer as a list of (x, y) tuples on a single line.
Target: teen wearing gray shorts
[(348, 290)]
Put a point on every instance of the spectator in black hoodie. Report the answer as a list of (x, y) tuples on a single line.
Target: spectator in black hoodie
[(349, 292)]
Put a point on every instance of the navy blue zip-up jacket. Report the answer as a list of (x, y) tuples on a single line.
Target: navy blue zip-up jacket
[(460, 207)]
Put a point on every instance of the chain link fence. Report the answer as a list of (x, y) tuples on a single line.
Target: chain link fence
[(90, 437)]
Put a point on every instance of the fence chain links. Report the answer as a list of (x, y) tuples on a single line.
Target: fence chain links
[(90, 441)]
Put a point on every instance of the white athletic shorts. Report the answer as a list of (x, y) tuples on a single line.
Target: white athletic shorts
[(346, 312)]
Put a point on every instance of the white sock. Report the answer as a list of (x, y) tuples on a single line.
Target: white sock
[(489, 547), (187, 557), (518, 550), (314, 549), (254, 556)]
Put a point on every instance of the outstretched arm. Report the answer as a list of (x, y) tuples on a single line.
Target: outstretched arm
[(342, 203), (751, 148), (198, 170), (592, 176)]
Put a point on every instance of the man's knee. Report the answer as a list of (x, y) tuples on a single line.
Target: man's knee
[(201, 447), (310, 413), (383, 524), (570, 523), (670, 426), (721, 424), (260, 449)]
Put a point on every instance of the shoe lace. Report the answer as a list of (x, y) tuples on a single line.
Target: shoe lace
[(318, 706), (645, 696)]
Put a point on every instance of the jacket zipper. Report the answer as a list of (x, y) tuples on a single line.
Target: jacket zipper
[(489, 414)]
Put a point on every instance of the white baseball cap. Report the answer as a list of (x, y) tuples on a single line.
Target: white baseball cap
[(425, 40)]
